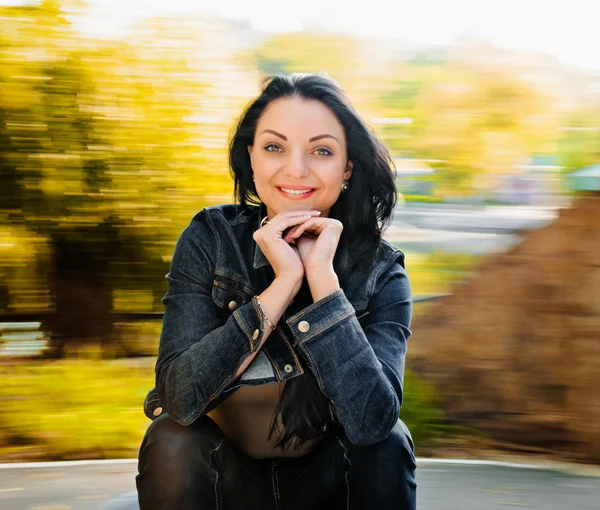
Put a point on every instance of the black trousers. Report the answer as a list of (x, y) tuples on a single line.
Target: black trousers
[(198, 468)]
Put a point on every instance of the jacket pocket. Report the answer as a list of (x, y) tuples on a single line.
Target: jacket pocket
[(229, 294)]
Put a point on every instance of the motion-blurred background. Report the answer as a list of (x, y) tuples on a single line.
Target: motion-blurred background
[(114, 119)]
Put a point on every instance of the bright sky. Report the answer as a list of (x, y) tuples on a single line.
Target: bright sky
[(567, 29)]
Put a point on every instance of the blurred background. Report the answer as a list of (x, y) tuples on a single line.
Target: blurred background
[(114, 120)]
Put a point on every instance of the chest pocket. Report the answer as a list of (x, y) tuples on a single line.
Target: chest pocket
[(229, 294)]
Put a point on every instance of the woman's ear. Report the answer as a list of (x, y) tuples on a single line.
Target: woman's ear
[(250, 147), (348, 171)]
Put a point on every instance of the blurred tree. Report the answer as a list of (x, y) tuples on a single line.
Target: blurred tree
[(579, 145), (97, 157), (361, 66), (400, 101), (476, 123)]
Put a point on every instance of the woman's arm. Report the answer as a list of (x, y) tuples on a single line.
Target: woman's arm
[(274, 301), (197, 357), (360, 371)]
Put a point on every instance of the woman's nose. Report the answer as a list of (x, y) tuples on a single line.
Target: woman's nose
[(296, 166)]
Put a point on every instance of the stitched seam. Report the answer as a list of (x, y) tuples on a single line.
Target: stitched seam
[(260, 316), (236, 279), (346, 474), (289, 345), (243, 326), (277, 485), (213, 232), (335, 411), (226, 287), (385, 267), (312, 362), (315, 305), (328, 324), (255, 261), (238, 220), (216, 393), (238, 294), (266, 351), (273, 475), (362, 315), (210, 457)]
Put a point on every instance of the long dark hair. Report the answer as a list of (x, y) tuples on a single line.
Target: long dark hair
[(365, 210)]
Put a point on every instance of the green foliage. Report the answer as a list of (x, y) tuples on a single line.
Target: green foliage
[(437, 272), (421, 411), (579, 145)]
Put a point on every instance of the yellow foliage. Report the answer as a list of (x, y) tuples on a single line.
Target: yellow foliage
[(73, 409)]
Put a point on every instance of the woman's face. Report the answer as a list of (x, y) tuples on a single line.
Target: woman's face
[(299, 144)]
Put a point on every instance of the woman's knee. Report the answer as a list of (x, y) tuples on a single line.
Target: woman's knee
[(390, 459), (382, 474), (176, 467), (399, 444), (167, 445)]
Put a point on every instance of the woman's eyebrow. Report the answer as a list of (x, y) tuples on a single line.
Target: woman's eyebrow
[(275, 133), (313, 139)]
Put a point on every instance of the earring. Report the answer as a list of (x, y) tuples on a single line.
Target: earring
[(345, 186)]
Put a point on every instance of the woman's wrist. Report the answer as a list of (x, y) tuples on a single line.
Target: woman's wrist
[(275, 299), (289, 285), (322, 282), (265, 316)]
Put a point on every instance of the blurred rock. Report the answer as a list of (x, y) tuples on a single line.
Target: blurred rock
[(515, 351)]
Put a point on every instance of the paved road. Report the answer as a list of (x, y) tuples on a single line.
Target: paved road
[(442, 485), (464, 229), (490, 219)]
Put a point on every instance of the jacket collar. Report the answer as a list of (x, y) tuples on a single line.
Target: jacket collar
[(259, 257)]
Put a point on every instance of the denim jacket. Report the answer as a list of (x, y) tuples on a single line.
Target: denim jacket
[(353, 340)]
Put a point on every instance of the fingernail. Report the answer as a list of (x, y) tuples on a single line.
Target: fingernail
[(316, 212)]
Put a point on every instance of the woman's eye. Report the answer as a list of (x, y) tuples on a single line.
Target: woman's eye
[(272, 148), (321, 151)]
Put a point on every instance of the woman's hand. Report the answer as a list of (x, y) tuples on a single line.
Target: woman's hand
[(283, 257), (317, 241)]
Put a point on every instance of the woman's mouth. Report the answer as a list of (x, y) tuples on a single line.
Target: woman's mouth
[(296, 194)]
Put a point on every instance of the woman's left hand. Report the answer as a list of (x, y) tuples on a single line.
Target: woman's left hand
[(317, 241)]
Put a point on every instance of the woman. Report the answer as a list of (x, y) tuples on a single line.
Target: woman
[(280, 367)]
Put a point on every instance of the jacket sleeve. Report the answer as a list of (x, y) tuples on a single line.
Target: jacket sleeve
[(197, 356), (360, 370)]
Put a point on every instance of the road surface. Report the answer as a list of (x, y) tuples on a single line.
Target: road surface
[(441, 485)]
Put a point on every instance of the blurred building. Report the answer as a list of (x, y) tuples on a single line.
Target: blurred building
[(537, 182)]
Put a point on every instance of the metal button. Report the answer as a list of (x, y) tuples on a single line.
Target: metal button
[(303, 326), (255, 334), (232, 305), (158, 411), (289, 369)]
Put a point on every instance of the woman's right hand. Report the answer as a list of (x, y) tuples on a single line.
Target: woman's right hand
[(283, 257)]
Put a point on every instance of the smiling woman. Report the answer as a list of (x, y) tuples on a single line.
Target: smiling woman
[(291, 163), (281, 358)]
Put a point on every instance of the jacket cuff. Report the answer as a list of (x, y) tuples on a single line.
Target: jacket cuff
[(250, 321), (320, 316)]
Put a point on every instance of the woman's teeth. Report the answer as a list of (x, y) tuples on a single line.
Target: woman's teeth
[(296, 191)]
